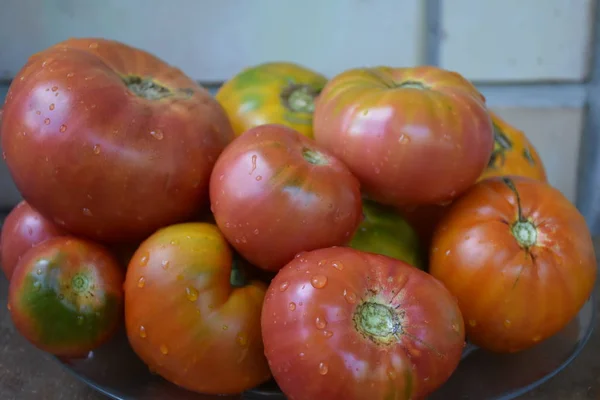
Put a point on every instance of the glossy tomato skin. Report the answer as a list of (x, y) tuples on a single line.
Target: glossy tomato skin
[(513, 153), (319, 345), (519, 258), (109, 154), (23, 229), (66, 296), (272, 93), (384, 231), (275, 193), (411, 135), (185, 318)]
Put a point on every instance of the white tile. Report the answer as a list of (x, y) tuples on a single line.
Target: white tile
[(556, 135), (512, 40), (212, 40)]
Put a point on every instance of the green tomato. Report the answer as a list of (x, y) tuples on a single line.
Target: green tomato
[(384, 231)]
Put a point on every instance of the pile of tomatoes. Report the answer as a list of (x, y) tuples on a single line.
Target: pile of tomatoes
[(343, 237)]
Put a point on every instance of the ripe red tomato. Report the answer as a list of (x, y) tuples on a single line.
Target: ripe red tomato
[(338, 323), (411, 135), (23, 228), (66, 296), (275, 193), (108, 141), (190, 316), (519, 258)]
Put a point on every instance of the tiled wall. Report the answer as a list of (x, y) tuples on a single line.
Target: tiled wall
[(541, 49)]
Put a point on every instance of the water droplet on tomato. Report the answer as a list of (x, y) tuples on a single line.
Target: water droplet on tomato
[(8, 306), (224, 327), (141, 282), (51, 107), (507, 323), (244, 240), (158, 135), (455, 327), (70, 75), (87, 212), (301, 355), (472, 322), (93, 45), (447, 252), (258, 177), (47, 121), (191, 294), (174, 242), (321, 323), (349, 296), (97, 149), (54, 88), (292, 306), (242, 339), (403, 139), (327, 334), (164, 349), (283, 287), (37, 286), (144, 259), (142, 332), (165, 264), (323, 368), (318, 281), (337, 265)]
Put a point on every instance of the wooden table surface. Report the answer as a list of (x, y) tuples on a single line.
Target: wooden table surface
[(27, 373)]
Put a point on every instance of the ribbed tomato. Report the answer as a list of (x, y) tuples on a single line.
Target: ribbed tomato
[(342, 324), (519, 258), (411, 135), (272, 93)]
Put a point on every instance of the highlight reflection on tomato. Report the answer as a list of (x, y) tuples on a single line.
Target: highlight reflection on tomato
[(342, 324), (519, 258)]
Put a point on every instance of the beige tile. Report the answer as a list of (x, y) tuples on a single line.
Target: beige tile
[(515, 40), (556, 135), (213, 40)]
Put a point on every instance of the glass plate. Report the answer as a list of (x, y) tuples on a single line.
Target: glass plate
[(117, 372)]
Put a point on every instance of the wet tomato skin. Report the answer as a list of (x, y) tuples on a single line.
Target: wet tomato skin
[(519, 258), (190, 314), (275, 193), (412, 136), (118, 142), (22, 229), (66, 296), (359, 326)]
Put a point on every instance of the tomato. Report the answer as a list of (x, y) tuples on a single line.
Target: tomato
[(272, 93), (411, 135), (424, 219), (189, 314), (384, 231), (275, 193), (110, 142), (519, 258), (339, 323), (22, 229), (513, 153), (66, 296)]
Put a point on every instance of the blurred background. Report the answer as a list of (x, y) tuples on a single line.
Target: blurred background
[(534, 60)]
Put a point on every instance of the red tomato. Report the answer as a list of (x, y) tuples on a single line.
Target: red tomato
[(338, 323), (66, 296), (411, 135), (23, 228), (108, 141), (190, 315), (275, 193), (520, 259)]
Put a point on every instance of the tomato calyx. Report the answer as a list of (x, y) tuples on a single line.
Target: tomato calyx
[(411, 85), (314, 157), (149, 89), (523, 230), (299, 98), (378, 322)]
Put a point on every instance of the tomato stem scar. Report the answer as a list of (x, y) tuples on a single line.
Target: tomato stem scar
[(378, 322), (314, 157), (299, 98), (412, 85), (146, 87), (80, 283), (522, 229)]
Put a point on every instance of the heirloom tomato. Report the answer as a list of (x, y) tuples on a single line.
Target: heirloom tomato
[(66, 296), (108, 141), (519, 258), (272, 93), (424, 219), (513, 153), (411, 135), (384, 231), (190, 316), (339, 323), (275, 193), (22, 229)]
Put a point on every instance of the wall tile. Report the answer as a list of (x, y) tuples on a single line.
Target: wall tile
[(212, 40), (516, 40), (556, 135)]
